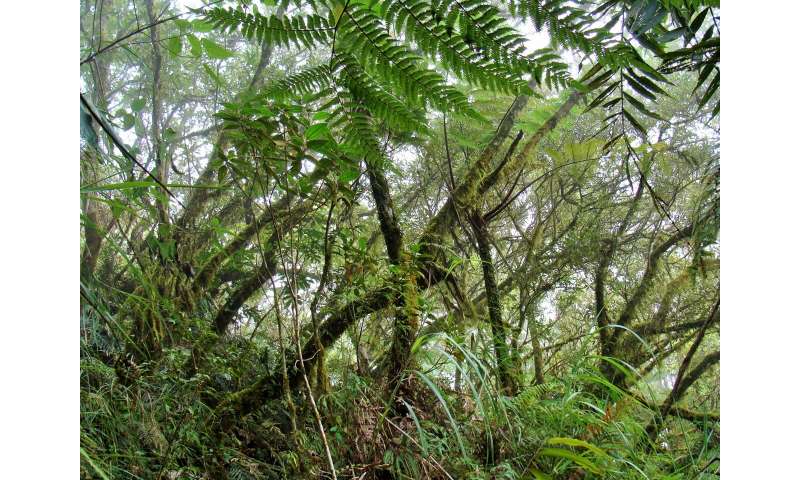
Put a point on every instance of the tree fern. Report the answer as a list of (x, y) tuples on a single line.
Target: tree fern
[(390, 60), (380, 53), (361, 33)]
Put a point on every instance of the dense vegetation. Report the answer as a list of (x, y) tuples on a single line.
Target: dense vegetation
[(398, 239)]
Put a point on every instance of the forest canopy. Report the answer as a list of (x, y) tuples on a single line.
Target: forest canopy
[(399, 239)]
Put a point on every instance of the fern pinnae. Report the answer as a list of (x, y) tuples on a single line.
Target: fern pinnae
[(300, 83), (300, 31), (436, 36), (394, 64)]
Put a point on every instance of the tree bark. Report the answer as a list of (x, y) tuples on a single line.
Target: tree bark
[(406, 321), (685, 379), (162, 164), (91, 223), (505, 373)]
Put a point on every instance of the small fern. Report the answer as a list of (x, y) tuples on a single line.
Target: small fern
[(527, 397)]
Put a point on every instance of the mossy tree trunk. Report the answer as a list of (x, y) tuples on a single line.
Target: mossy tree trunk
[(406, 322), (505, 365)]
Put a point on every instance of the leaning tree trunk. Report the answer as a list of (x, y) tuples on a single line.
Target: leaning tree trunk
[(686, 378)]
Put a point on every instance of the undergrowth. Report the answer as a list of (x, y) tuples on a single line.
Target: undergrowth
[(151, 420)]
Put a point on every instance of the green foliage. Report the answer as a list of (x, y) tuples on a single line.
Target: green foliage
[(199, 303), (215, 51), (472, 40), (301, 31)]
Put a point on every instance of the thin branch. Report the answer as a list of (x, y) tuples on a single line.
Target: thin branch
[(116, 42), (121, 146), (139, 30)]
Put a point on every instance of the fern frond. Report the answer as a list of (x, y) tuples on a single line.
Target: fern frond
[(367, 38), (379, 101), (300, 31), (486, 53), (568, 25), (533, 394), (301, 83)]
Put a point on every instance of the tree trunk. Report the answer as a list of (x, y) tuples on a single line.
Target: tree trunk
[(686, 378), (162, 163), (406, 321), (505, 374), (91, 221)]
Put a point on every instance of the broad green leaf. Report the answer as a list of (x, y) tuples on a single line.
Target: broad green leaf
[(647, 42), (562, 453), (672, 35), (650, 71), (575, 442), (169, 134), (640, 106), (348, 174), (712, 87), (612, 102), (602, 96), (317, 131), (704, 73), (167, 249), (182, 24), (638, 126), (195, 48), (323, 146), (202, 26), (540, 475), (647, 83), (128, 120), (174, 46), (214, 50), (600, 79), (638, 87), (138, 104), (214, 76), (116, 206), (611, 142), (698, 20)]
